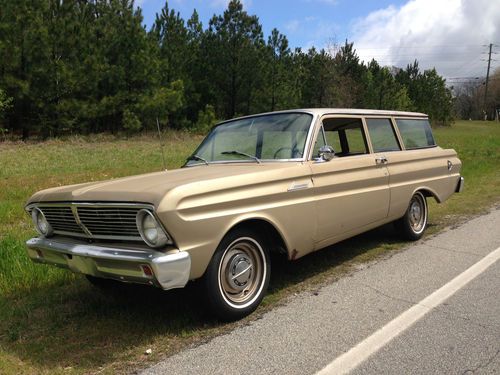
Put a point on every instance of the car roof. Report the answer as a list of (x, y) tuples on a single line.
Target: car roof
[(360, 111), (341, 111)]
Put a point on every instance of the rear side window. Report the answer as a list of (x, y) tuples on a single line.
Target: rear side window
[(416, 133), (382, 135)]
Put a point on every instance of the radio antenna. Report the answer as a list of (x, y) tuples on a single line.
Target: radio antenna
[(161, 144)]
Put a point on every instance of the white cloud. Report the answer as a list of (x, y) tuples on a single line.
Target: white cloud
[(310, 18), (446, 34), (292, 26)]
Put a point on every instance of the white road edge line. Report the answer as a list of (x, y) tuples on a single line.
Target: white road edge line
[(370, 345)]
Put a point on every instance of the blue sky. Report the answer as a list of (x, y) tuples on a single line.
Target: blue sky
[(450, 35), (304, 22)]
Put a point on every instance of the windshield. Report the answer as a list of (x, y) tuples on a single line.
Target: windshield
[(255, 139)]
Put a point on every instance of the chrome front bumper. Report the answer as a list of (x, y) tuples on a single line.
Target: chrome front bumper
[(170, 269)]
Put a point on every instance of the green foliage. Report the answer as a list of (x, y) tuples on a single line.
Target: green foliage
[(130, 122), (5, 105), (5, 102), (161, 103), (428, 93), (206, 119), (382, 91), (279, 89), (91, 66), (233, 43)]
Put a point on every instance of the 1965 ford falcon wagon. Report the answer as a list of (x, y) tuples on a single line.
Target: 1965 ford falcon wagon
[(291, 181)]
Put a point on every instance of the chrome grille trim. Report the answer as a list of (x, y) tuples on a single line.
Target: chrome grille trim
[(108, 221), (77, 218)]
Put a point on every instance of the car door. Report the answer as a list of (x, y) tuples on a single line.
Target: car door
[(387, 149), (351, 190)]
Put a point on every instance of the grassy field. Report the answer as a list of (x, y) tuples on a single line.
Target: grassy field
[(54, 322)]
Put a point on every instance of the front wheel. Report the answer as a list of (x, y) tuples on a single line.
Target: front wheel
[(412, 225), (238, 275)]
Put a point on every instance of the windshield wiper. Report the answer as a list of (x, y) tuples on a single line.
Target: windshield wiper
[(196, 157), (235, 152)]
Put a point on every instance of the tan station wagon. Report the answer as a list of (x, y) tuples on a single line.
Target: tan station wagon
[(291, 181)]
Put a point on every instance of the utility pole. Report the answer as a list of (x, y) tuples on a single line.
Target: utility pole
[(487, 79)]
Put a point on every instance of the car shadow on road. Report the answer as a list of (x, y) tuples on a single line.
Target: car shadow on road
[(79, 326)]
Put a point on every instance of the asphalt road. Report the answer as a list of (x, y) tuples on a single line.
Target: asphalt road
[(368, 309)]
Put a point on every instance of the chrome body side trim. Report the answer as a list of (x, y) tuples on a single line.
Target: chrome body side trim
[(171, 269)]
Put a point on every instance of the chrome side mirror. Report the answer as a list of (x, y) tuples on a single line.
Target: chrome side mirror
[(326, 153)]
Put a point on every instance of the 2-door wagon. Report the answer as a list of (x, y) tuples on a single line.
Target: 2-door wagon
[(290, 181)]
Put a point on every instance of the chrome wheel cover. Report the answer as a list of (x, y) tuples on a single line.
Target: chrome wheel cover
[(242, 271), (417, 213)]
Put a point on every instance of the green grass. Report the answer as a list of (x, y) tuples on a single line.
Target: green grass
[(54, 322)]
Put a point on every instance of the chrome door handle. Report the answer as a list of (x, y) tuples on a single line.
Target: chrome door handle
[(381, 160)]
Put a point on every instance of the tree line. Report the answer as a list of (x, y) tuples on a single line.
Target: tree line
[(472, 101), (86, 66)]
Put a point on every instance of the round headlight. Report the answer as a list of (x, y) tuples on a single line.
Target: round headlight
[(41, 224), (150, 230)]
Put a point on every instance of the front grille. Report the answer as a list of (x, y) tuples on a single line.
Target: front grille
[(109, 221), (61, 219), (100, 221)]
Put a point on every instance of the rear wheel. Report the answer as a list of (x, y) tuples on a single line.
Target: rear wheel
[(412, 225), (237, 277)]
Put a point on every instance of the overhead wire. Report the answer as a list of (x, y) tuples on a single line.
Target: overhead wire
[(448, 53)]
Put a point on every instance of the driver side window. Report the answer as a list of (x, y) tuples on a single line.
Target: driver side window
[(345, 135)]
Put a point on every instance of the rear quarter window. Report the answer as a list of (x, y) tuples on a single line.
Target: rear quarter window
[(416, 133), (382, 135)]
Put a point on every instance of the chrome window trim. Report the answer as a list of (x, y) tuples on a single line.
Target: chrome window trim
[(310, 138), (87, 234), (219, 162)]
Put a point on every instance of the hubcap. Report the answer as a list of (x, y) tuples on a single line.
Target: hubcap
[(417, 213), (241, 272)]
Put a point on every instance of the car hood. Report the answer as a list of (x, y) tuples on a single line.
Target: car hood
[(153, 187)]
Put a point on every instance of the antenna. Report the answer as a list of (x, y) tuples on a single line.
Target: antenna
[(161, 144)]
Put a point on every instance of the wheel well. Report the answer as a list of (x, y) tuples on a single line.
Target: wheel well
[(262, 226), (427, 193)]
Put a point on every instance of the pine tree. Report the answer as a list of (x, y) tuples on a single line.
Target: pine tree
[(233, 42)]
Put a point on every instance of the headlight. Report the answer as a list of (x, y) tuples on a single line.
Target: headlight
[(150, 230), (41, 224)]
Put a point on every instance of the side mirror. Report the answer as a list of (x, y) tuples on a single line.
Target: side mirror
[(326, 153)]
